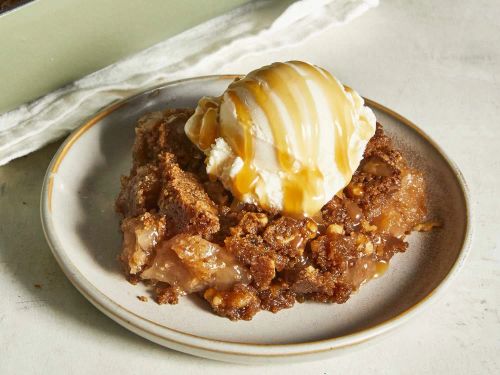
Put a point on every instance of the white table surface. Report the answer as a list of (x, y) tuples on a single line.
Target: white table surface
[(435, 62)]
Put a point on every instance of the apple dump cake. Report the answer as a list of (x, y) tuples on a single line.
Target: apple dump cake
[(283, 189)]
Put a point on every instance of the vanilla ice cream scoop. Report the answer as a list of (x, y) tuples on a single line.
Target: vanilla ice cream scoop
[(288, 136)]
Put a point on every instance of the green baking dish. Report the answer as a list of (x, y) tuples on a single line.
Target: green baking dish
[(47, 44)]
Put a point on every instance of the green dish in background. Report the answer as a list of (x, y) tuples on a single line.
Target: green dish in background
[(47, 44)]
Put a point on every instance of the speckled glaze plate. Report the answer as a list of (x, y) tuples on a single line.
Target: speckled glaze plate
[(82, 228)]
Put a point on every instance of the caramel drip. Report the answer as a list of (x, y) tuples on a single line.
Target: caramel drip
[(307, 180), (310, 177), (293, 192), (246, 178), (293, 79), (285, 94), (302, 179), (205, 130), (341, 111), (209, 130), (270, 81), (380, 268)]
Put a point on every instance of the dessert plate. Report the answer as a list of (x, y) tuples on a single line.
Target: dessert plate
[(82, 229)]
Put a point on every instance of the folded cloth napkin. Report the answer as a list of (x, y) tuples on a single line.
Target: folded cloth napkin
[(201, 50)]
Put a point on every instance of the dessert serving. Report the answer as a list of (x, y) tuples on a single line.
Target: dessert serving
[(282, 189)]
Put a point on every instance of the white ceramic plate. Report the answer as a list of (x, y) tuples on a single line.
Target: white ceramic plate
[(82, 229)]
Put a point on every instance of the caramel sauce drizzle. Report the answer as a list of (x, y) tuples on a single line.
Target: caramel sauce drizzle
[(341, 112), (296, 133), (206, 129), (302, 179), (247, 177), (209, 130)]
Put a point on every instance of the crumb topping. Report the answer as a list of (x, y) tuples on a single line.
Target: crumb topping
[(184, 233)]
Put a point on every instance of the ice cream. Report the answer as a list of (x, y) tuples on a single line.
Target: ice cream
[(287, 136)]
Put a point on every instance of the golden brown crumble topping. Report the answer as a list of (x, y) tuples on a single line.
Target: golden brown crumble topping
[(184, 233)]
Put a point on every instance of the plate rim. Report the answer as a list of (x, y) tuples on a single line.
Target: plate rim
[(187, 342)]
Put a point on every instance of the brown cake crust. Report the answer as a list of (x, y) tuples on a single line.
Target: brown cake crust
[(287, 259), (183, 200)]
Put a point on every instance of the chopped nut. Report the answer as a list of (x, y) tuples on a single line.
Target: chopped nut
[(242, 301), (361, 239), (165, 293), (312, 226), (262, 219), (216, 301), (239, 302), (142, 298), (209, 293), (367, 227), (311, 270), (356, 190), (335, 228), (368, 248), (251, 222)]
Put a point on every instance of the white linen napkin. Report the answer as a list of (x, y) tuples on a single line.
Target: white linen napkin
[(201, 50)]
